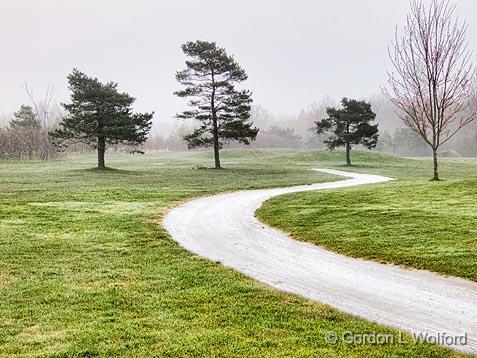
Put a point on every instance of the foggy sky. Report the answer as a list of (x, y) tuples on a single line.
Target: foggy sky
[(295, 52)]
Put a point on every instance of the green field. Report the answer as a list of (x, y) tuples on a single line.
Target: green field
[(86, 269), (410, 221)]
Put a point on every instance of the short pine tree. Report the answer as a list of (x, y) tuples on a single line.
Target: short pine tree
[(99, 114), (25, 118), (349, 125)]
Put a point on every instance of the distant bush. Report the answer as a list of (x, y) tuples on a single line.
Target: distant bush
[(403, 142), (449, 154)]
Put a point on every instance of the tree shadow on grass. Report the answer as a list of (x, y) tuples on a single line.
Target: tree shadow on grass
[(106, 171)]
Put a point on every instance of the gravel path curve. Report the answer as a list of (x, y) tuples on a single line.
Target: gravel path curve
[(223, 228)]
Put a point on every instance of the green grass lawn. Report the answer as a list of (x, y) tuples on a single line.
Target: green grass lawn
[(410, 221), (87, 270)]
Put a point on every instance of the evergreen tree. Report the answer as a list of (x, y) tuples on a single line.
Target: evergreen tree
[(25, 118), (222, 110), (99, 114), (25, 133), (349, 125)]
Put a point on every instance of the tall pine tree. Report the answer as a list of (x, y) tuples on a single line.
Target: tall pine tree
[(222, 110), (349, 125), (99, 114)]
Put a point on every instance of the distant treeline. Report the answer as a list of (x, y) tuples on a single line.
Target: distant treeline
[(299, 132), (25, 133)]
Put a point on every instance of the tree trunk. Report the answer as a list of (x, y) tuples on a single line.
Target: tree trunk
[(434, 157), (216, 156), (101, 151), (215, 128), (216, 144), (348, 156)]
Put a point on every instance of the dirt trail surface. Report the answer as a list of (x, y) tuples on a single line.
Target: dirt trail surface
[(223, 228)]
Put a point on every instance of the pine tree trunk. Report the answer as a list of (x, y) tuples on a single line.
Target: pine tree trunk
[(216, 145), (348, 156), (216, 156), (101, 151), (215, 128), (434, 157)]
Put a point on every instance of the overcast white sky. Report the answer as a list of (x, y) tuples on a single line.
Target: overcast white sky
[(295, 51)]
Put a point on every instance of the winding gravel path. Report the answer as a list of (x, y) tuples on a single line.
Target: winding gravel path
[(223, 228)]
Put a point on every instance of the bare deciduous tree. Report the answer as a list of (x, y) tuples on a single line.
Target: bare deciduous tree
[(42, 110), (431, 84)]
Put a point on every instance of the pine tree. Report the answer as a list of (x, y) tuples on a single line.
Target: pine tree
[(222, 111), (25, 132), (349, 125), (99, 114), (25, 118)]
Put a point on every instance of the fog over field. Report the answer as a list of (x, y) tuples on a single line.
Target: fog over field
[(300, 55), (238, 178)]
